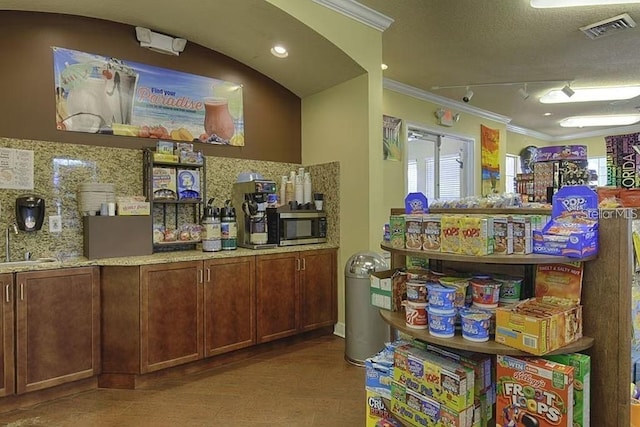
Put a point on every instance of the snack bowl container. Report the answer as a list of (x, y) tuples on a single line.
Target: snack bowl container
[(475, 324), (510, 289), (441, 298), (416, 314), (460, 285), (417, 291), (486, 293), (442, 325)]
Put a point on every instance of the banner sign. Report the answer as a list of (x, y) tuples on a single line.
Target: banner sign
[(490, 163), (99, 94)]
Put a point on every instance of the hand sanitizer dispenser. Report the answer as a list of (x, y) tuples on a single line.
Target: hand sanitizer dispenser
[(29, 212)]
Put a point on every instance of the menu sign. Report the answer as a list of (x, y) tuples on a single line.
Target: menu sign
[(16, 169)]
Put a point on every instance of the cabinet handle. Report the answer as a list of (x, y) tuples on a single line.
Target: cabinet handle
[(21, 291), (304, 263), (297, 264), (201, 275), (6, 293), (208, 274)]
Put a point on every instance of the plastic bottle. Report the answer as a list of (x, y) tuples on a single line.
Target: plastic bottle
[(229, 227), (307, 198), (211, 236)]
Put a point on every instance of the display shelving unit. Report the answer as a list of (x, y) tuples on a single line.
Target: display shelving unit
[(606, 316), (173, 212)]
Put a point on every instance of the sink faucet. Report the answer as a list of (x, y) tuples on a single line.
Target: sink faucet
[(11, 228)]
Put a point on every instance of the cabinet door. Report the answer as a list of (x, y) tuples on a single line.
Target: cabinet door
[(318, 289), (57, 327), (170, 315), (7, 370), (229, 305), (277, 291)]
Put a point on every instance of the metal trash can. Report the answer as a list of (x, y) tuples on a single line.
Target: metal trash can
[(365, 331)]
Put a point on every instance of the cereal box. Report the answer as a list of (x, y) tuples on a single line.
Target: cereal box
[(533, 392), (397, 231), (581, 364), (431, 230), (502, 235), (413, 232), (414, 408), (450, 235), (476, 235), (522, 235), (188, 184), (164, 183), (377, 412)]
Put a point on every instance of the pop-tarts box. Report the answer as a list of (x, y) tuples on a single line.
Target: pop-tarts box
[(416, 203), (573, 228)]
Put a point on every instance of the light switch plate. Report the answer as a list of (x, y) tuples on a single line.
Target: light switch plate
[(55, 224)]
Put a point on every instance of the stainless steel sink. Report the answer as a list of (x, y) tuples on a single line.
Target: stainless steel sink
[(27, 263)]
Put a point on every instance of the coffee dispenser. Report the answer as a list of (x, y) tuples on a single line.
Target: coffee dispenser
[(252, 222), (29, 212)]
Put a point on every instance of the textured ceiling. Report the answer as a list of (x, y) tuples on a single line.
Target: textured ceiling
[(430, 43), (464, 42)]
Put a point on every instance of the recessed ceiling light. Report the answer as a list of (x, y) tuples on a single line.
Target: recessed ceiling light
[(279, 51), (384, 66), (547, 114), (558, 96), (570, 3), (612, 120)]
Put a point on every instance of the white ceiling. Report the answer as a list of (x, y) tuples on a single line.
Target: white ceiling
[(430, 43)]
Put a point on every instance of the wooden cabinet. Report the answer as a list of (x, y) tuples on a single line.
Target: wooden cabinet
[(7, 369), (277, 294), (229, 305), (318, 289), (170, 315), (57, 327), (152, 316), (296, 292)]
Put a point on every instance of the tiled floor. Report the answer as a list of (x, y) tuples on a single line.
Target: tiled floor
[(305, 384)]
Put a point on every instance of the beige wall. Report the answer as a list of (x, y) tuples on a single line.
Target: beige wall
[(344, 124), (516, 142), (420, 112)]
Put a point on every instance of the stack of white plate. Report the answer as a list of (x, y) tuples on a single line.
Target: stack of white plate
[(91, 195)]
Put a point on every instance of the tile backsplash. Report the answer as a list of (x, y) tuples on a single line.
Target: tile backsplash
[(60, 168)]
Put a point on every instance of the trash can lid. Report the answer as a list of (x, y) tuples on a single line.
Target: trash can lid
[(362, 264)]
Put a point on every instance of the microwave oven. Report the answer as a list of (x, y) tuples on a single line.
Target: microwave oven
[(291, 227)]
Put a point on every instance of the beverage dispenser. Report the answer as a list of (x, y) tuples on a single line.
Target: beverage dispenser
[(252, 221), (29, 212)]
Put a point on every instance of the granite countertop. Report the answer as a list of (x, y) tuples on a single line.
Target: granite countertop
[(159, 258)]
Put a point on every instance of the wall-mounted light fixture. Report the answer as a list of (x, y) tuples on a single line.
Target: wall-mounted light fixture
[(159, 42)]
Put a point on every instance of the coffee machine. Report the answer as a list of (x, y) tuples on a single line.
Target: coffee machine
[(253, 197), (29, 212)]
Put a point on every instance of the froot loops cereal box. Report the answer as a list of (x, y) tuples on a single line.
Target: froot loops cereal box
[(533, 392)]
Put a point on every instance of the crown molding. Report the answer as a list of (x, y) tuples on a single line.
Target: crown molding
[(361, 13), (531, 133), (446, 102)]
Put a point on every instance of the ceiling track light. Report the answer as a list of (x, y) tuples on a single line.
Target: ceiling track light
[(568, 91), (523, 92), (468, 95)]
